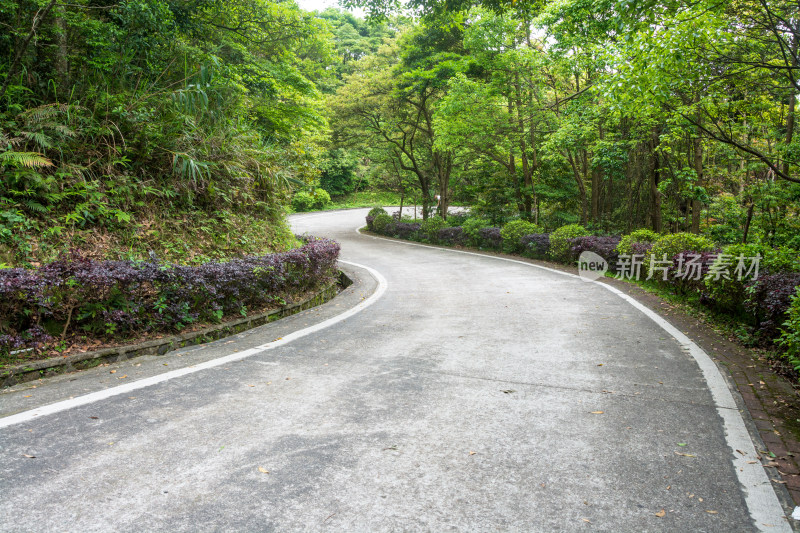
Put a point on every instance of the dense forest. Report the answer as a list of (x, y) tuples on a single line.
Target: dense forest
[(127, 127), (617, 115), (176, 128)]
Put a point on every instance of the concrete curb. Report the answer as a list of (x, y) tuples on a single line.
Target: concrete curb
[(60, 365)]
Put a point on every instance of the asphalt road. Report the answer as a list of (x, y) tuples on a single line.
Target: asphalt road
[(442, 391)]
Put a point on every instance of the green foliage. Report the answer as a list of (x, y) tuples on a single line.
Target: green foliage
[(472, 226), (790, 333), (306, 201), (321, 199), (338, 172), (641, 236), (373, 214), (381, 221), (431, 227), (149, 109), (514, 231), (560, 241), (670, 245), (729, 294), (365, 199), (302, 201), (375, 211)]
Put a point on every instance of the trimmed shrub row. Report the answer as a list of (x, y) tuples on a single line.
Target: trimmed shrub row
[(78, 296), (684, 262)]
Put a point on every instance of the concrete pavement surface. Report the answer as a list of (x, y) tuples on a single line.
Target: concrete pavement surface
[(459, 392)]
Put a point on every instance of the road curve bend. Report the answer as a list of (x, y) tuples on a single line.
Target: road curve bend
[(459, 392)]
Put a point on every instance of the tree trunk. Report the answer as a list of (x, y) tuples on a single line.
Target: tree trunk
[(444, 166), (581, 188), (595, 196), (748, 221), (655, 194), (792, 105), (62, 55), (697, 206), (402, 197)]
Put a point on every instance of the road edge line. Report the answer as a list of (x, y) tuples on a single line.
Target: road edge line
[(760, 497), (57, 407)]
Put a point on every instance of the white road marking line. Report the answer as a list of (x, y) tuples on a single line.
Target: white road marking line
[(763, 505), (33, 414)]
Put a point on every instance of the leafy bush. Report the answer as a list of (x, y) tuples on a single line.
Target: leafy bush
[(560, 241), (375, 211), (790, 333), (768, 301), (536, 244), (514, 231), (305, 201), (724, 234), (403, 230), (321, 199), (302, 201), (472, 227), (77, 295), (452, 236), (674, 244), (687, 270), (729, 294), (605, 247), (381, 222), (457, 219), (490, 238), (627, 244), (430, 227)]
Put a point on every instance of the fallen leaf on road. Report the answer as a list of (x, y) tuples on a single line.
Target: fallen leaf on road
[(28, 456), (472, 453), (251, 385), (94, 417), (681, 444), (123, 377), (711, 512), (509, 391), (112, 371), (685, 454), (779, 481), (661, 513), (586, 520), (263, 470), (700, 499), (28, 396), (751, 462), (741, 452), (597, 412)]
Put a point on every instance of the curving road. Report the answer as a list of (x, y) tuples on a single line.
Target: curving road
[(442, 391)]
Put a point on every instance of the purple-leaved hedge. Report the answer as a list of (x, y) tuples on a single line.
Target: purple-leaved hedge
[(76, 296)]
